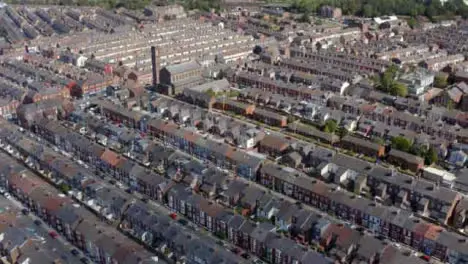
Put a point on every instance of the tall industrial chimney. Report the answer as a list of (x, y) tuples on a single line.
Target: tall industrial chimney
[(155, 64)]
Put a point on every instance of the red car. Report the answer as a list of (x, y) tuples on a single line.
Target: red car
[(53, 234), (425, 258), (173, 216)]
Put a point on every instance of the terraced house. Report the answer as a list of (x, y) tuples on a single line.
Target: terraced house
[(219, 153)]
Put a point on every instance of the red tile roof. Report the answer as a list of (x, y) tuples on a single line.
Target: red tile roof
[(433, 232), (191, 136), (275, 142), (368, 108), (321, 189), (24, 183), (421, 229), (462, 117), (111, 157)]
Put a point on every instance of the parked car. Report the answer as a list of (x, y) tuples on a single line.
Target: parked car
[(183, 222), (425, 258), (53, 234)]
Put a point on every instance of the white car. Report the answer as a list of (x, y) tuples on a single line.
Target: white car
[(7, 195)]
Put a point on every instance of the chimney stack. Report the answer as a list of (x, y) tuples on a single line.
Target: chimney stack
[(155, 64)]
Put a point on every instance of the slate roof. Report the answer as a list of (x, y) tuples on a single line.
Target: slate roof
[(275, 142), (351, 163), (406, 156), (369, 247), (361, 142), (183, 67)]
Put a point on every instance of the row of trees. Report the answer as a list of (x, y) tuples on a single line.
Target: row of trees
[(372, 8), (205, 5), (367, 8)]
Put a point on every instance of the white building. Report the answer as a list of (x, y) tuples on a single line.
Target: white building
[(418, 81)]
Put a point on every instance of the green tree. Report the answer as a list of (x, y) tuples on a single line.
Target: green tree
[(393, 70), (210, 92), (330, 126), (233, 93), (368, 10), (305, 18), (386, 81), (399, 89), (205, 5), (450, 105), (65, 2), (440, 81), (291, 119), (221, 235), (434, 9), (401, 143), (82, 2), (342, 132), (351, 7), (417, 150), (430, 156), (3, 33), (463, 11), (412, 22), (378, 140), (64, 187), (450, 7), (306, 5)]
